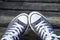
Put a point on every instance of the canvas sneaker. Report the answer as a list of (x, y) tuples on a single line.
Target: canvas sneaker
[(40, 25), (16, 28)]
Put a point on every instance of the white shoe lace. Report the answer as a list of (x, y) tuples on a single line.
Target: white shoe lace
[(14, 31)]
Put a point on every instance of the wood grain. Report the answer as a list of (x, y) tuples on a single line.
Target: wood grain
[(53, 1), (30, 6)]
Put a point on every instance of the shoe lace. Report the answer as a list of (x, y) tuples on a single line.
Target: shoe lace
[(14, 31), (47, 30)]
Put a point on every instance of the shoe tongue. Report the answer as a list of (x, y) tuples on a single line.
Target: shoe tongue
[(35, 17), (23, 19)]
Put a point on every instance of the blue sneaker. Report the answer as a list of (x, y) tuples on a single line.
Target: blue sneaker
[(16, 28), (40, 25)]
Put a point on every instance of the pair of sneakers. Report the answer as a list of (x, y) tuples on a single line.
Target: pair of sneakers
[(38, 23)]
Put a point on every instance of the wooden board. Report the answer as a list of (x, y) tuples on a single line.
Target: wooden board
[(57, 1), (30, 6), (15, 13)]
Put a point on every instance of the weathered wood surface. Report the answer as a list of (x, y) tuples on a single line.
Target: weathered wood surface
[(54, 1), (7, 15), (49, 8), (15, 13), (30, 6)]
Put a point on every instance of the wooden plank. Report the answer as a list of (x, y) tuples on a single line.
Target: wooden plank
[(30, 6), (15, 13), (7, 15), (35, 1)]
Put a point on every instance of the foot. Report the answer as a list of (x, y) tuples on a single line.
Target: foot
[(16, 28), (40, 25)]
